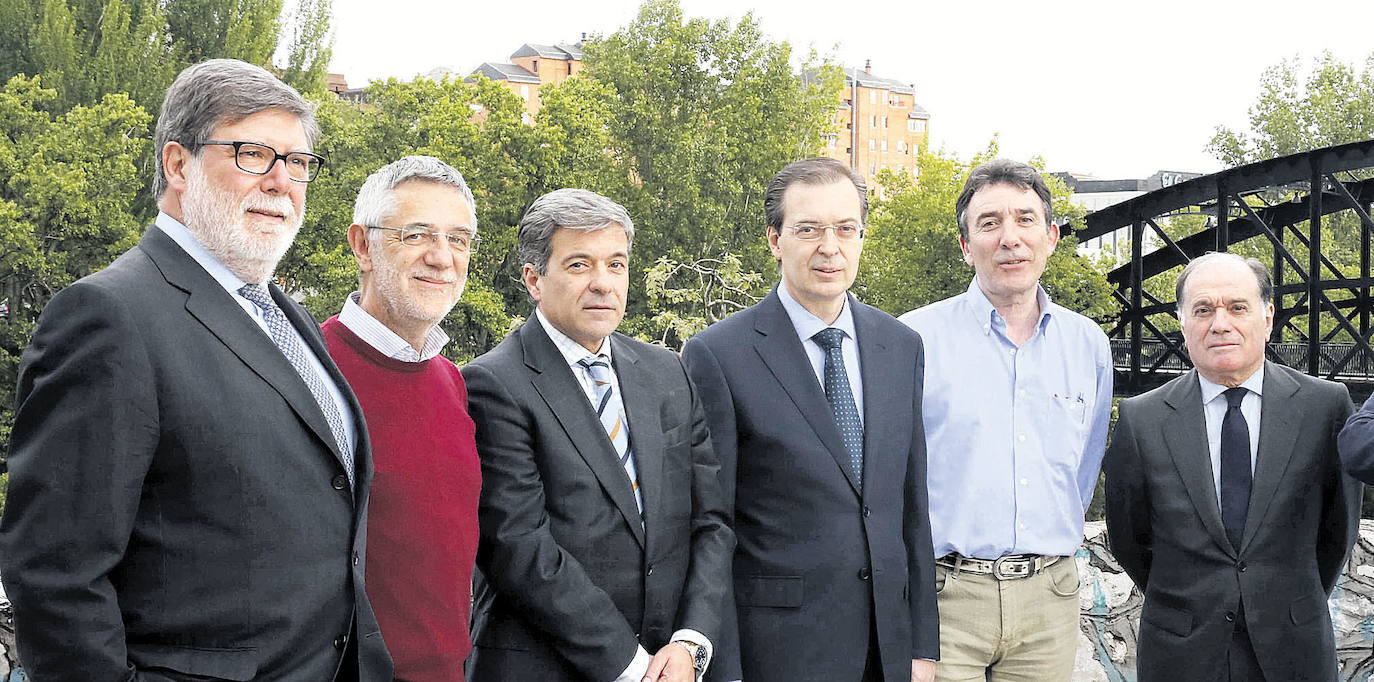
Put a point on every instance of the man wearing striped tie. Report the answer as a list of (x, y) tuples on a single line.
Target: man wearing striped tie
[(604, 551)]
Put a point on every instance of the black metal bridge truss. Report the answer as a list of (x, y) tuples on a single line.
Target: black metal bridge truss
[(1284, 202)]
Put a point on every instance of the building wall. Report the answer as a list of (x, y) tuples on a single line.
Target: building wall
[(876, 133)]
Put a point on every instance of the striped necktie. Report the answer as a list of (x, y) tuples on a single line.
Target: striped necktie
[(279, 328), (611, 412)]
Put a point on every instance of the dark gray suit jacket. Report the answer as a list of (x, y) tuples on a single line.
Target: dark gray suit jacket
[(1165, 527), (821, 561), (177, 508), (572, 580)]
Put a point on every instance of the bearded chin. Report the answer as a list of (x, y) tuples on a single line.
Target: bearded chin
[(221, 225)]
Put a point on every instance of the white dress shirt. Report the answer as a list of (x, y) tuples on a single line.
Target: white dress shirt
[(1214, 409), (383, 340), (808, 325)]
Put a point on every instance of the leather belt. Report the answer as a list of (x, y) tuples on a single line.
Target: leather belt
[(1009, 567)]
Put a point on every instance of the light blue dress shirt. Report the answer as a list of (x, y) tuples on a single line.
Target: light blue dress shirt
[(232, 283), (1014, 435), (808, 325)]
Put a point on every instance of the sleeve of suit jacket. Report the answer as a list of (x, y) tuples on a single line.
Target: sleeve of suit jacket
[(85, 430), (1341, 498), (1357, 443), (714, 393), (925, 616), (1128, 501)]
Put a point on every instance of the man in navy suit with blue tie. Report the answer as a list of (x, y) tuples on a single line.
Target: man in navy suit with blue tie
[(814, 405)]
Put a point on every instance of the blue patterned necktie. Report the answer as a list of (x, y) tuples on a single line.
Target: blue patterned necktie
[(841, 398), (611, 412), (279, 328), (1235, 467)]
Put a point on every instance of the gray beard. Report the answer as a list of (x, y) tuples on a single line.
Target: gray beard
[(219, 222)]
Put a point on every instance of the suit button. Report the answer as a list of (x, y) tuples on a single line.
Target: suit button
[(341, 641), (864, 573), (1241, 566), (650, 571), (1230, 617), (355, 558), (340, 482), (867, 512)]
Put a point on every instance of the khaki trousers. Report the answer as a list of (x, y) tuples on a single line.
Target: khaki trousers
[(1023, 630)]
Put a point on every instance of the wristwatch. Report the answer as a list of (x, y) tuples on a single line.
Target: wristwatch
[(698, 653)]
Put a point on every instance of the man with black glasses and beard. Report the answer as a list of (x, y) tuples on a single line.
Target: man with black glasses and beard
[(188, 469)]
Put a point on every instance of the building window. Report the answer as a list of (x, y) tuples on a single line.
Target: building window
[(525, 92), (916, 125), (536, 66), (884, 145), (872, 145), (884, 121), (901, 145), (873, 121), (872, 96)]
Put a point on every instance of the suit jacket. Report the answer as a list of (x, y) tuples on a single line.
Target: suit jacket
[(573, 581), (1164, 524), (1357, 443), (177, 507), (822, 560)]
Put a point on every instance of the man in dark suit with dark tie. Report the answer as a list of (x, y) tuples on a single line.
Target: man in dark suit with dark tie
[(1226, 503), (604, 547), (188, 469), (814, 404)]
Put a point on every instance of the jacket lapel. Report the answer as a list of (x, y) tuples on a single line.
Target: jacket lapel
[(1186, 435), (642, 409), (877, 361), (781, 350), (214, 308), (554, 381), (1279, 427)]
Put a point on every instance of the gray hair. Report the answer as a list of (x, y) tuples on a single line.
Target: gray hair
[(376, 200), (570, 209), (1261, 271), (817, 171), (216, 92), (1001, 172)]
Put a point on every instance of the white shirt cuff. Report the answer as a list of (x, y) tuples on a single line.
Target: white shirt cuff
[(637, 668)]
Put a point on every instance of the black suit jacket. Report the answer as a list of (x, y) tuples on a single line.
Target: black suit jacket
[(821, 559), (572, 580), (177, 508), (1164, 524)]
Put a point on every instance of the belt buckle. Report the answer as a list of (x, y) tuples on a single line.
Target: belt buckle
[(1011, 568)]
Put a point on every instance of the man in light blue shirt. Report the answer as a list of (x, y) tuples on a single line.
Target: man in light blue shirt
[(1017, 399)]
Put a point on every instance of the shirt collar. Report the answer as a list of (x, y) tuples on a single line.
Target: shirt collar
[(983, 310), (187, 241), (385, 341), (807, 324), (1211, 390), (572, 351)]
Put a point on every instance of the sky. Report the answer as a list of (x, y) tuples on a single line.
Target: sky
[(1100, 87)]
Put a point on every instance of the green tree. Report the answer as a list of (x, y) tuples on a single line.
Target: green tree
[(67, 187), (705, 113), (1333, 104)]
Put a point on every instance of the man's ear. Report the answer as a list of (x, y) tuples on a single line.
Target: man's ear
[(533, 282), (175, 159), (357, 240)]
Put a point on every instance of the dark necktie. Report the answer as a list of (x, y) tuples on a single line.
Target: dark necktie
[(1235, 467), (841, 399), (279, 328)]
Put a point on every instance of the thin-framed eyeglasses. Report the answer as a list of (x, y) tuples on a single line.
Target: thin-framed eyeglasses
[(460, 241), (843, 232), (258, 159)]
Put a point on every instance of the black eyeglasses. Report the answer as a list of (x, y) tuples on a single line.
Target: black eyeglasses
[(461, 241), (258, 159)]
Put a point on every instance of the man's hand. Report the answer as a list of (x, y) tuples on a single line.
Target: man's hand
[(672, 663), (922, 671)]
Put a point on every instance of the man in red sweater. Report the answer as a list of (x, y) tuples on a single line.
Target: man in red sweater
[(413, 231)]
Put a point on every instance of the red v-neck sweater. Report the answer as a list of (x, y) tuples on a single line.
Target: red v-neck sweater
[(422, 515)]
